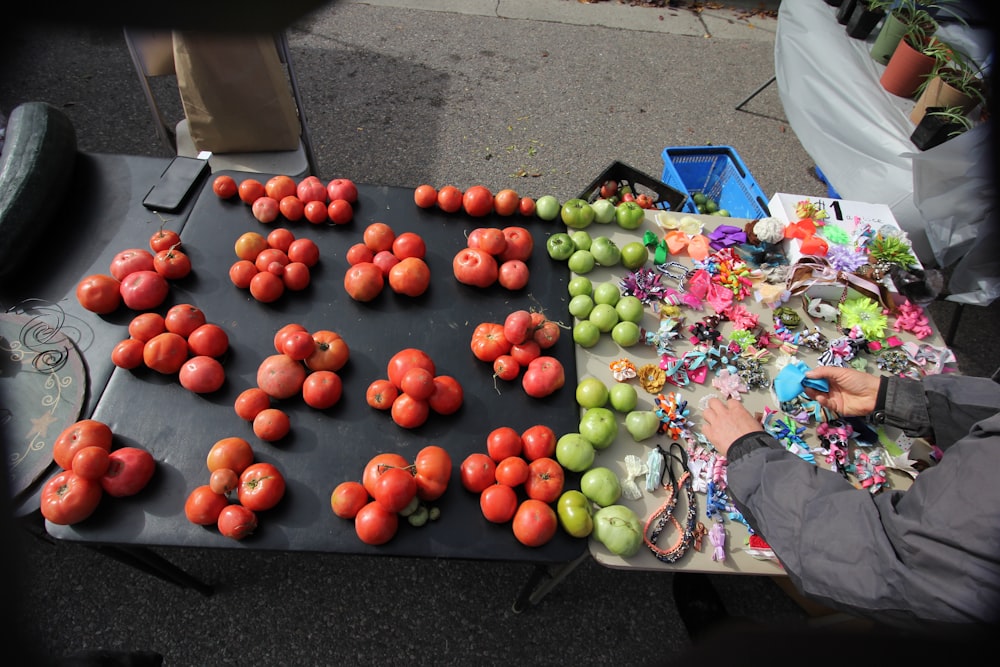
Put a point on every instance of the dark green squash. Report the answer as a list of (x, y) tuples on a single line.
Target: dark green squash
[(36, 171)]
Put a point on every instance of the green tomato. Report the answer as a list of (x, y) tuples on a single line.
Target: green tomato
[(581, 262), (626, 333), (591, 392), (623, 397), (560, 246), (618, 528), (601, 485), (586, 334), (604, 317), (630, 309), (599, 426), (634, 255), (576, 213), (629, 215), (576, 513), (574, 452), (547, 207), (580, 306), (580, 285), (607, 292)]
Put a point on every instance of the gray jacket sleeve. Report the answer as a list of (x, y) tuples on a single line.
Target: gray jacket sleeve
[(931, 553)]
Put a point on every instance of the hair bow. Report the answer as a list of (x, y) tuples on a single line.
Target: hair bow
[(697, 244), (725, 236)]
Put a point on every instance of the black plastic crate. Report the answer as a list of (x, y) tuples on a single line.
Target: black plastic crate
[(664, 196)]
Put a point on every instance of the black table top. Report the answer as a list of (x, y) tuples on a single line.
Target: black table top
[(324, 448)]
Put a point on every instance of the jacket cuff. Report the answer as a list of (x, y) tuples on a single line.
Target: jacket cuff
[(747, 443)]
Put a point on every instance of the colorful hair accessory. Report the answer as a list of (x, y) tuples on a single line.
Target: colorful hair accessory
[(752, 372), (699, 535), (622, 370), (931, 359), (730, 385), (673, 413), (896, 362), (634, 467), (808, 209), (658, 246), (665, 334), (815, 340), (910, 317), (819, 310), (697, 245), (788, 317), (644, 284), (865, 314), (654, 469), (792, 381), (652, 378), (705, 332), (891, 250), (769, 230), (847, 257), (725, 236), (675, 271), (870, 470), (837, 235), (717, 535), (741, 316)]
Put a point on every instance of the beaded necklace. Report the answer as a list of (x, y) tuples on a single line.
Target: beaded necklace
[(659, 519)]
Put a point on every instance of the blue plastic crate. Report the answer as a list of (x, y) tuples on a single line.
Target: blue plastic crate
[(719, 173)]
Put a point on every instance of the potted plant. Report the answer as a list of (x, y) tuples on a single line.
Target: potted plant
[(955, 81), (863, 16), (914, 58), (897, 23), (939, 125)]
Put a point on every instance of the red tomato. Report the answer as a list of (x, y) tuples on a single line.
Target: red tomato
[(129, 471), (130, 261), (475, 266), (394, 489), (223, 480), (545, 331), (498, 503), (280, 186), (265, 209), (261, 487), (279, 335), (358, 253), (127, 353), (513, 274), (250, 190), (506, 202), (208, 340), (449, 199), (543, 376), (266, 287), (538, 441), (409, 244), (425, 196), (250, 402), (224, 186), (292, 208), (316, 212), (237, 522), (364, 281), (410, 276), (526, 352), (340, 211), (520, 244), (322, 389), (183, 318), (297, 276), (409, 412), (489, 342), (99, 294), (91, 462), (378, 236), (146, 325), (418, 383), (69, 498), (526, 207), (268, 255), (271, 424), (348, 498), (241, 273), (385, 260), (249, 245), (477, 201), (76, 436), (202, 374), (517, 326), (432, 471), (503, 442), (280, 376), (406, 359), (310, 189), (512, 471), (448, 395), (331, 353), (477, 472), (233, 453), (165, 353), (203, 506), (298, 344), (490, 239), (304, 250), (375, 525), (172, 264), (546, 478), (506, 367), (378, 464), (534, 523), (342, 188), (280, 238), (144, 290), (381, 394)]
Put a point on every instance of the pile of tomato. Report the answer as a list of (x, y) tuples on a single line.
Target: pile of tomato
[(518, 344), (495, 255), (269, 265), (383, 256), (414, 389), (310, 198)]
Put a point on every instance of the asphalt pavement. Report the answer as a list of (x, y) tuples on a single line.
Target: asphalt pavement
[(536, 95)]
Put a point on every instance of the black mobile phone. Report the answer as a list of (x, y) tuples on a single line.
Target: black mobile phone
[(175, 184)]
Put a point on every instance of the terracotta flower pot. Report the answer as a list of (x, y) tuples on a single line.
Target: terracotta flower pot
[(939, 93), (906, 70), (888, 39)]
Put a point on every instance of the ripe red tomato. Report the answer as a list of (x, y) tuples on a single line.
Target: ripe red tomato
[(208, 340), (490, 239), (503, 442), (297, 276), (279, 335), (409, 412), (69, 498), (425, 196), (342, 188), (506, 202), (292, 208), (381, 394), (520, 244), (268, 255), (448, 395), (526, 352), (394, 489), (249, 245), (364, 281), (233, 453), (129, 471), (477, 201), (385, 260), (506, 367), (410, 276), (202, 374), (144, 290), (298, 344), (432, 471), (241, 273), (265, 209), (316, 212), (498, 503), (130, 261), (280, 376), (477, 472), (546, 478), (375, 525), (203, 506), (545, 331), (378, 236), (538, 441), (172, 264), (91, 462), (331, 353), (513, 274), (534, 523), (237, 522), (348, 498), (310, 189), (489, 342), (280, 238), (250, 190), (322, 389), (261, 487), (340, 211), (144, 326), (304, 250), (358, 253), (99, 293), (475, 266), (418, 383), (543, 376), (406, 359), (271, 424), (512, 471), (517, 326), (127, 354), (183, 319), (409, 244), (224, 186), (76, 436), (250, 402), (165, 353), (526, 207), (449, 199), (266, 286), (378, 464), (223, 480), (280, 186)]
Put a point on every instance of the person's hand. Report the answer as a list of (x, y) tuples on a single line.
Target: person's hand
[(852, 393), (724, 423)]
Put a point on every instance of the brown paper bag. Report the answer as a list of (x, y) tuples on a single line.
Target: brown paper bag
[(235, 93)]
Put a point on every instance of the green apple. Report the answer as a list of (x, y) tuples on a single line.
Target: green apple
[(576, 213), (591, 392), (642, 424), (605, 252), (560, 246), (626, 333), (623, 397), (604, 210), (586, 334), (599, 426), (580, 285), (634, 255), (574, 452), (604, 317), (629, 215), (547, 207), (581, 238), (576, 513), (630, 309), (607, 292), (580, 306), (581, 261), (619, 529), (601, 485)]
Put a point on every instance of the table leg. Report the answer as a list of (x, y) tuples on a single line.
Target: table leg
[(542, 580), (143, 558)]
